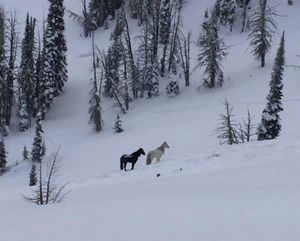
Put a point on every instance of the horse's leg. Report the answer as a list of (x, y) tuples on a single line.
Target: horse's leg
[(125, 164), (149, 159), (133, 164), (158, 158), (121, 164)]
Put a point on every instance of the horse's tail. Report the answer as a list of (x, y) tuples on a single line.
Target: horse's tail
[(121, 163), (148, 160)]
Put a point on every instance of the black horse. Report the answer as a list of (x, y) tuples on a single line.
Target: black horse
[(132, 158)]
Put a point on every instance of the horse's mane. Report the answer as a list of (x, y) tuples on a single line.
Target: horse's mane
[(162, 147), (136, 153)]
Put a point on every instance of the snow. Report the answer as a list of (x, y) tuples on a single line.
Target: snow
[(204, 192)]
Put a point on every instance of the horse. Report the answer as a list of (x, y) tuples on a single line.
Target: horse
[(157, 153), (132, 158)]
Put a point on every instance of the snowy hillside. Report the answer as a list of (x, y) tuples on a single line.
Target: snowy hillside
[(204, 191)]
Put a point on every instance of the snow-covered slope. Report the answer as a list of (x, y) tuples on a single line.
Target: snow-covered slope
[(205, 191)]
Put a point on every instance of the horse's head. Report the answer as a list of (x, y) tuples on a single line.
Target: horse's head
[(141, 151), (165, 145)]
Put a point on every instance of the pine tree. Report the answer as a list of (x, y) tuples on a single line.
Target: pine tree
[(165, 22), (37, 150), (25, 153), (98, 12), (12, 55), (26, 76), (115, 67), (3, 73), (95, 107), (56, 73), (129, 61), (212, 53), (227, 13), (204, 28), (3, 155), (33, 176), (135, 8), (43, 86), (263, 29), (270, 124), (44, 149), (150, 76), (216, 12), (41, 90), (118, 125)]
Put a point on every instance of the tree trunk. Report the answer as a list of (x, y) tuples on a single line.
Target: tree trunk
[(262, 60)]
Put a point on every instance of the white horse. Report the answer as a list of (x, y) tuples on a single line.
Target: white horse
[(157, 153)]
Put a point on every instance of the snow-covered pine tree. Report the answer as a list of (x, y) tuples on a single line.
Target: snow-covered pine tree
[(12, 55), (56, 73), (41, 83), (95, 107), (33, 176), (25, 153), (38, 78), (116, 76), (44, 149), (3, 156), (264, 27), (212, 53), (98, 12), (129, 61), (37, 150), (216, 12), (118, 125), (87, 21), (147, 62), (110, 6), (26, 76), (3, 73), (151, 79), (270, 126), (165, 21), (204, 28), (135, 8), (227, 13)]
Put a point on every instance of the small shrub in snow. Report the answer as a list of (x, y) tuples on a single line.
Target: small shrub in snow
[(118, 125), (172, 88), (25, 153)]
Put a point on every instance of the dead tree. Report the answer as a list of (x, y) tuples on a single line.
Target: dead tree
[(185, 49), (247, 129), (47, 191), (227, 131)]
